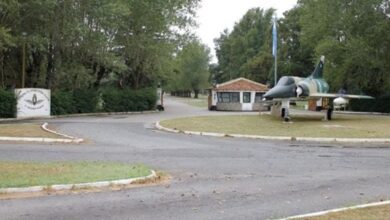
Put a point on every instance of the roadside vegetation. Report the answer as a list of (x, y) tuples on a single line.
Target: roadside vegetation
[(342, 126), (24, 174), (372, 213), (25, 130)]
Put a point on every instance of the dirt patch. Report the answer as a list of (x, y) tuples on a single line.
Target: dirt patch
[(161, 179)]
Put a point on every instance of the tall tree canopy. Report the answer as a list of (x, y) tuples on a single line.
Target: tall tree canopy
[(246, 50), (354, 36), (192, 70), (73, 44)]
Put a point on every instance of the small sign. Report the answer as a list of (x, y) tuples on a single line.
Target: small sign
[(32, 103)]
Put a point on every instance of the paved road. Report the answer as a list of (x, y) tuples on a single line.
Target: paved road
[(213, 178)]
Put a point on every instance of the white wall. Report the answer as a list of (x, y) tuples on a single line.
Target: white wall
[(32, 102)]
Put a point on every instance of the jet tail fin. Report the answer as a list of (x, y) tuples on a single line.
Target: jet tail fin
[(317, 73)]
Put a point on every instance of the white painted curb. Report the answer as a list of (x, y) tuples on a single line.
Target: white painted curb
[(78, 115), (66, 139), (73, 139), (337, 210), (280, 138), (100, 184)]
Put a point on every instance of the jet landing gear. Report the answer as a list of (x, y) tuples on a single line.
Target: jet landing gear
[(285, 115), (281, 109), (329, 113)]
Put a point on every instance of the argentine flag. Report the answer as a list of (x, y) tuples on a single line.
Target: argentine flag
[(274, 39)]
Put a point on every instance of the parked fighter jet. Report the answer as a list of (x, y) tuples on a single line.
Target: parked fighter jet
[(313, 87)]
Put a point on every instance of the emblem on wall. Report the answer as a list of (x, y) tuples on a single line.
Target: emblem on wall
[(33, 102)]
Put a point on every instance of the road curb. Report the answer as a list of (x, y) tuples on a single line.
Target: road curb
[(315, 214), (279, 138), (59, 187), (73, 139), (66, 139), (78, 115)]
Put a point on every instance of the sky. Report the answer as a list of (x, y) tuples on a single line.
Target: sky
[(216, 15)]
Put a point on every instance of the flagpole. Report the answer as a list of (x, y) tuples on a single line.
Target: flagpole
[(276, 70), (275, 49)]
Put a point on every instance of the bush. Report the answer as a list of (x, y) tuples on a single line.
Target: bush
[(128, 100), (114, 100), (71, 102), (85, 100), (381, 104), (62, 103), (7, 104)]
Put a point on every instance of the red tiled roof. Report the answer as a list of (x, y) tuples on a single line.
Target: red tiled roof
[(241, 84)]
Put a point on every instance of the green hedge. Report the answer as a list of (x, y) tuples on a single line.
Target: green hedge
[(7, 104), (62, 103), (107, 100), (381, 104), (128, 100)]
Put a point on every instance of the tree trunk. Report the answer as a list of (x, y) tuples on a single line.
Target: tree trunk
[(50, 67), (2, 70), (196, 92), (100, 75)]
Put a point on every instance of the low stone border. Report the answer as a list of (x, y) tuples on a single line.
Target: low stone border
[(66, 139), (45, 140), (74, 139), (337, 210), (104, 114), (79, 115), (280, 138), (101, 184)]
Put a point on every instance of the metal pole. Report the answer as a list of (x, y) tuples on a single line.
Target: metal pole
[(24, 64), (276, 69)]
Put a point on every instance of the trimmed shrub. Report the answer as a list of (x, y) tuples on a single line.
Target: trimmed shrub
[(7, 104), (85, 100), (109, 100), (71, 102), (381, 104), (115, 100), (62, 103)]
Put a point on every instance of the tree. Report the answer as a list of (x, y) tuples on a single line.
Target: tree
[(192, 63), (354, 36), (90, 43), (246, 51)]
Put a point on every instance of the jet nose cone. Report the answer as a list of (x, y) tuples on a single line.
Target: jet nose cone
[(280, 92), (268, 95)]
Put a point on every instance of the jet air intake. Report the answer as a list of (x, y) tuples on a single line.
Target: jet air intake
[(302, 90)]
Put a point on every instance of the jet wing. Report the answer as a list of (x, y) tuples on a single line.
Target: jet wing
[(347, 96)]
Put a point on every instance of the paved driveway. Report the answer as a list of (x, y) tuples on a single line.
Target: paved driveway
[(213, 178)]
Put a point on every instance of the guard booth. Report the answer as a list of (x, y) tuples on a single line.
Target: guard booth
[(239, 94)]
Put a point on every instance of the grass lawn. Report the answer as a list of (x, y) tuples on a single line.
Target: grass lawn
[(342, 126), (24, 130), (23, 174), (372, 213), (200, 102)]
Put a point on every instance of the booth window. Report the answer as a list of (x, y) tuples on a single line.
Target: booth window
[(259, 96), (228, 97), (247, 97)]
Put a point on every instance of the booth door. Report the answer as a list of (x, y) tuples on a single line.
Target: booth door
[(246, 101)]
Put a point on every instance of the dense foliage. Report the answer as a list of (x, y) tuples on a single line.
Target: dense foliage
[(107, 100), (191, 73), (7, 104), (246, 50), (380, 104), (128, 100), (353, 35), (85, 44)]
